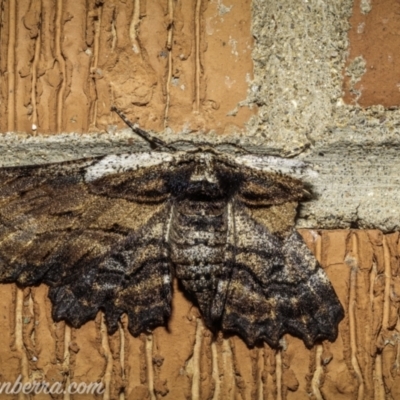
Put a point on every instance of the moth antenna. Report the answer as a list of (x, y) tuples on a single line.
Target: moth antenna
[(154, 141), (200, 144)]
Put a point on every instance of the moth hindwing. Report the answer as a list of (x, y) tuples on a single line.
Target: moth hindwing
[(109, 233)]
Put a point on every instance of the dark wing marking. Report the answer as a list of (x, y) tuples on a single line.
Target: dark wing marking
[(94, 241), (146, 291), (277, 287), (133, 278), (96, 231), (259, 188)]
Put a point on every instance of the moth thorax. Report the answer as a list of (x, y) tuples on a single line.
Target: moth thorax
[(204, 170)]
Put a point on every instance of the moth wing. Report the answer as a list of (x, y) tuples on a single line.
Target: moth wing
[(265, 189), (146, 292), (277, 287), (88, 231)]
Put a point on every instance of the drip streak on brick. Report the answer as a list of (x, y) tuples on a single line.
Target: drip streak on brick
[(150, 367), (352, 317), (379, 388), (269, 372), (61, 62), (197, 57), (122, 357), (259, 374), (28, 326), (109, 359), (169, 72), (215, 371), (197, 360), (19, 343), (379, 391), (372, 278), (134, 26), (67, 355), (229, 373), (396, 363), (35, 64), (11, 64), (388, 273), (113, 33), (378, 368), (319, 371), (316, 380), (95, 62), (278, 372)]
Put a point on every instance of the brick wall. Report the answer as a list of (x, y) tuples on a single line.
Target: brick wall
[(186, 66), (184, 361)]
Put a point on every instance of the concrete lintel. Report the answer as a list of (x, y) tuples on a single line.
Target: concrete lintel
[(357, 183)]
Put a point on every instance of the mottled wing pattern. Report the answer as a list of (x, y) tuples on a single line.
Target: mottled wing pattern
[(257, 188), (102, 233), (277, 287), (94, 235), (145, 294)]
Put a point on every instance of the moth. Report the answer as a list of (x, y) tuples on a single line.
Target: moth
[(110, 233)]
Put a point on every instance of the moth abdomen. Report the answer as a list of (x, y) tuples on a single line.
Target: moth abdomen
[(198, 239), (199, 277)]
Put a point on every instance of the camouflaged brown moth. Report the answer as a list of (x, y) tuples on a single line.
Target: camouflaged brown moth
[(110, 233)]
